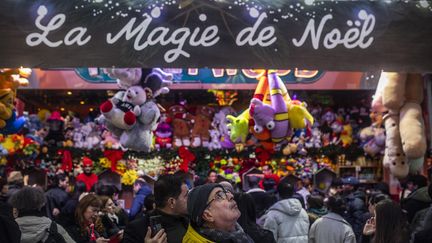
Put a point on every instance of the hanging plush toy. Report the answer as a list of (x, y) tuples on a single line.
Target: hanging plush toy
[(239, 127), (401, 95), (132, 115), (12, 78)]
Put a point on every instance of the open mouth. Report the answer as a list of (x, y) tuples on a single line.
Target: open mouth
[(129, 97)]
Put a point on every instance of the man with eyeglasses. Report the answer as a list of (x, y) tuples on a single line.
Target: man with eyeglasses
[(213, 216)]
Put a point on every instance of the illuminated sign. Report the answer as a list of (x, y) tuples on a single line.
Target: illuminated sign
[(212, 76)]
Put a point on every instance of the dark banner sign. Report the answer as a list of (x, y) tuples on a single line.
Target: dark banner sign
[(313, 35)]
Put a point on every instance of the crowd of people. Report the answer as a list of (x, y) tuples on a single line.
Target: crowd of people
[(179, 208)]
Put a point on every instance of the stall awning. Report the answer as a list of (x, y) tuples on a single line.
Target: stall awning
[(314, 35)]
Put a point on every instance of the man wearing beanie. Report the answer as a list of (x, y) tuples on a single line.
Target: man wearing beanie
[(213, 216), (87, 177)]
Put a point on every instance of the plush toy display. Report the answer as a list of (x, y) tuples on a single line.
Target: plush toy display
[(401, 95), (202, 123), (164, 133), (315, 140), (55, 135), (220, 123), (346, 135), (239, 127), (132, 115), (181, 123), (215, 142), (108, 141), (375, 143), (12, 78)]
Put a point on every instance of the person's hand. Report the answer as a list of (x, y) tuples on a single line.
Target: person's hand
[(160, 237), (55, 212), (102, 240), (369, 228), (120, 235)]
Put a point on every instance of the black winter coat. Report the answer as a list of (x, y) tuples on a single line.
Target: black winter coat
[(356, 208), (174, 226)]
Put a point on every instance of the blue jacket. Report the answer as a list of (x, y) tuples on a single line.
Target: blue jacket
[(138, 201)]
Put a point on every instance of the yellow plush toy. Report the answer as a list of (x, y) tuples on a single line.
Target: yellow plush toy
[(12, 78), (6, 105), (298, 114)]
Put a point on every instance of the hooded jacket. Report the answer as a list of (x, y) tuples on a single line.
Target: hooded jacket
[(331, 228), (416, 201), (288, 221), (35, 229)]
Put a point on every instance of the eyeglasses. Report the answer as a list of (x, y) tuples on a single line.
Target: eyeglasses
[(220, 196)]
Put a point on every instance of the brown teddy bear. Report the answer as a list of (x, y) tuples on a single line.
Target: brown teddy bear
[(181, 123), (201, 130), (400, 95)]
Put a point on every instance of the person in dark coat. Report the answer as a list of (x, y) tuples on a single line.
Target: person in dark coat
[(418, 199), (142, 190), (356, 206), (9, 229), (247, 219), (67, 212), (57, 196), (424, 235), (262, 199), (170, 194)]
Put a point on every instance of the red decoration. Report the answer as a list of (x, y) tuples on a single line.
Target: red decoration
[(114, 156), (187, 157), (66, 161)]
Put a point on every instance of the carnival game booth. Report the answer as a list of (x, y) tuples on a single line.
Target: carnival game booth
[(271, 37)]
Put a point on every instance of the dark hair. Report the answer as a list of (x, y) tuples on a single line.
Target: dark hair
[(378, 197), (418, 180), (104, 200), (315, 201), (390, 221), (246, 205), (285, 190), (28, 200), (336, 204), (211, 171), (165, 187), (106, 190), (148, 202), (90, 200), (79, 188), (253, 181), (58, 178)]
